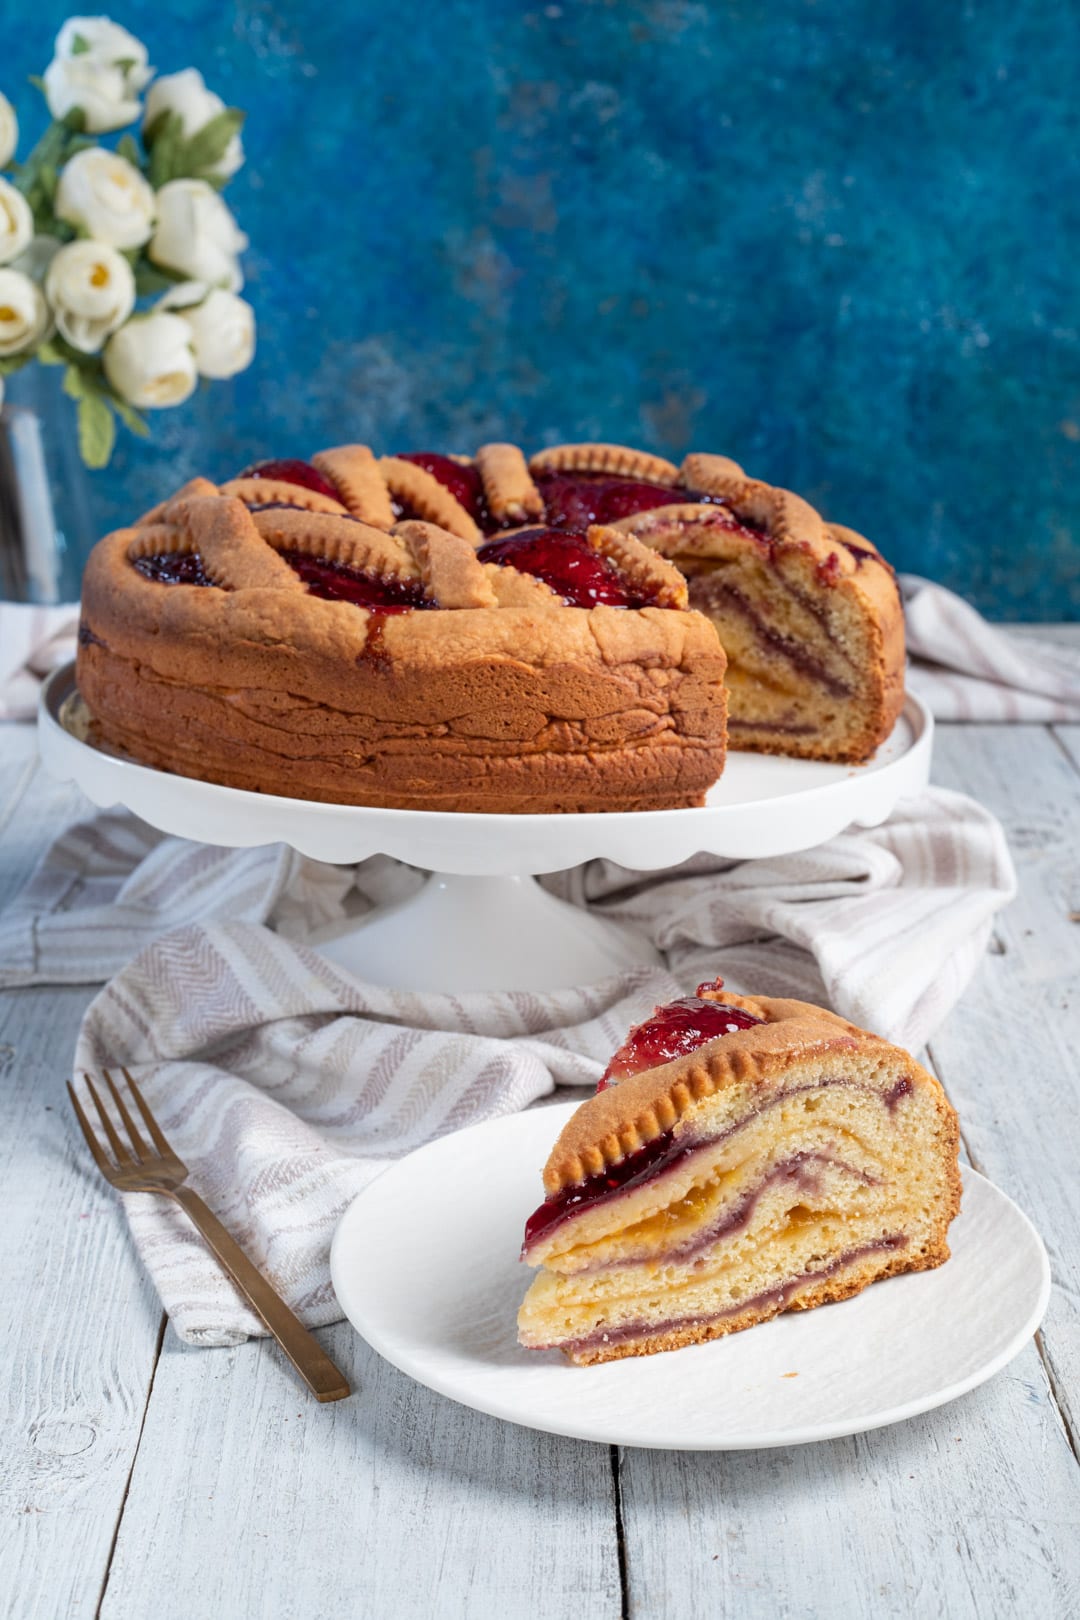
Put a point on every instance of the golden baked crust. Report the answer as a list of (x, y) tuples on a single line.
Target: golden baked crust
[(503, 699), (605, 458), (511, 495)]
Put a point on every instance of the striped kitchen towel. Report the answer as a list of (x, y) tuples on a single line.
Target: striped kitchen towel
[(287, 1084), (962, 667)]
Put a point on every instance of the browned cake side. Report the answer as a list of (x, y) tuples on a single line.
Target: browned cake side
[(501, 698)]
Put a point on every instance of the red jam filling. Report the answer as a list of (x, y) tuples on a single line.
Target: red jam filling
[(574, 500), (289, 470), (335, 582), (462, 480), (581, 576), (173, 568), (659, 1154), (674, 1030)]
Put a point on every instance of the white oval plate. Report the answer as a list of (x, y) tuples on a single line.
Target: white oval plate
[(424, 1263), (761, 806)]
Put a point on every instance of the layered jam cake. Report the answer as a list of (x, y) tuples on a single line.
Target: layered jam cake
[(486, 632), (348, 630), (742, 1156), (808, 612)]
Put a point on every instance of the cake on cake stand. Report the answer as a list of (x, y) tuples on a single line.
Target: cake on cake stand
[(481, 921)]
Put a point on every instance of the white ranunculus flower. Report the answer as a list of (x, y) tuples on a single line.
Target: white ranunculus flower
[(24, 314), (91, 289), (16, 223), (107, 197), (100, 68), (9, 131), (222, 327), (150, 361), (197, 235), (186, 95)]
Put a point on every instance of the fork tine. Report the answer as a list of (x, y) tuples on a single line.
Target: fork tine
[(123, 1156), (160, 1141), (88, 1131), (138, 1146)]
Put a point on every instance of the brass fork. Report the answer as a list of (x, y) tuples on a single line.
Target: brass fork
[(135, 1166)]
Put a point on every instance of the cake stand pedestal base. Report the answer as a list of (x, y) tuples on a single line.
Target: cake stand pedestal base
[(483, 933)]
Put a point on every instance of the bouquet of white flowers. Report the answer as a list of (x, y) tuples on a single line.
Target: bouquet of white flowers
[(122, 264)]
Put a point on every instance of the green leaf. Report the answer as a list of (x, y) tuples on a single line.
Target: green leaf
[(97, 430), (206, 148), (14, 362), (50, 354), (126, 63), (131, 418), (164, 138), (151, 280), (78, 382), (128, 147), (80, 45), (37, 81)]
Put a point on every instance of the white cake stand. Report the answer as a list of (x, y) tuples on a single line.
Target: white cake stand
[(481, 922)]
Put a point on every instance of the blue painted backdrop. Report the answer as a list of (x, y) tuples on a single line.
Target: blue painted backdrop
[(838, 241)]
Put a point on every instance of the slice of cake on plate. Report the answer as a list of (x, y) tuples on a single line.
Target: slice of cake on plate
[(742, 1156)]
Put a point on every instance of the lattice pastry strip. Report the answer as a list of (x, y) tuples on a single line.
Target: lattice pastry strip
[(416, 488), (645, 568), (356, 475), (448, 565), (226, 538), (615, 459), (511, 495), (342, 541), (275, 492)]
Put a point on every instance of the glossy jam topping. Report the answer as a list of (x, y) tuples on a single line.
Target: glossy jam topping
[(674, 1030), (289, 470), (335, 582), (574, 500), (173, 568), (462, 480), (581, 576)]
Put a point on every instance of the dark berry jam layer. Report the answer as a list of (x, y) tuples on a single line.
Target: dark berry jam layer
[(335, 582), (581, 576), (773, 1299), (663, 1153), (672, 1031), (289, 470), (173, 568), (463, 482), (656, 1156)]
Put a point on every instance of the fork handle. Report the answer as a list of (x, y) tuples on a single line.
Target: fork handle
[(326, 1382)]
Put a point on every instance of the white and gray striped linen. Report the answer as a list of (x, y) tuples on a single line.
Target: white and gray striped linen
[(287, 1085), (962, 667)]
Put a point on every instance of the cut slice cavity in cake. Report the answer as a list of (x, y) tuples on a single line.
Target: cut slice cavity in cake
[(786, 1160)]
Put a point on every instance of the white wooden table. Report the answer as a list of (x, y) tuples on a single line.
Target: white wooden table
[(139, 1477)]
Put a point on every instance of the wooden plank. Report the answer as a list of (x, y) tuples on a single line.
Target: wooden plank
[(1068, 738), (249, 1499), (965, 1513), (1009, 1055), (78, 1325), (34, 807)]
